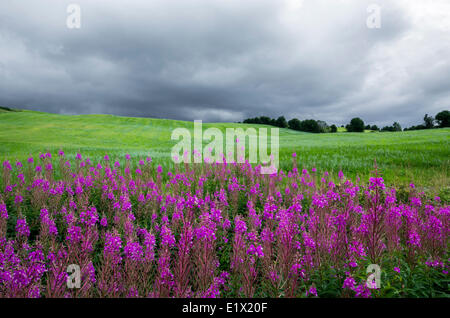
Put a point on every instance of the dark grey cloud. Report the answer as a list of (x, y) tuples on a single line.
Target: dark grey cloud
[(225, 60)]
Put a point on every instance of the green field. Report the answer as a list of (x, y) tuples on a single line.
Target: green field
[(421, 157)]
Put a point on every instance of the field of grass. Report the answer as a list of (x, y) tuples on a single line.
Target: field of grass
[(421, 157)]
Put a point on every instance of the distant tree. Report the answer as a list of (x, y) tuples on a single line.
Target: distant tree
[(418, 127), (443, 118), (264, 120), (396, 127), (323, 126), (310, 125), (428, 121), (294, 124), (367, 127), (356, 125), (281, 122), (333, 128), (374, 127)]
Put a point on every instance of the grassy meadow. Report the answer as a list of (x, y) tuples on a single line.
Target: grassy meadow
[(421, 157)]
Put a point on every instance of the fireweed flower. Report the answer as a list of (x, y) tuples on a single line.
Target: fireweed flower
[(104, 222), (167, 238), (133, 251), (113, 245), (349, 283), (7, 165), (240, 226), (89, 217), (311, 291), (376, 183), (3, 211), (18, 200), (73, 234), (255, 250), (22, 228)]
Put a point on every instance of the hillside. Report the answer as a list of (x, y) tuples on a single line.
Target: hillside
[(403, 157)]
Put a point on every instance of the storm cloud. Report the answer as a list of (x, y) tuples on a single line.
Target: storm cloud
[(226, 60)]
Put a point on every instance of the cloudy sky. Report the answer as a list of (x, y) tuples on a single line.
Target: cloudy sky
[(226, 60)]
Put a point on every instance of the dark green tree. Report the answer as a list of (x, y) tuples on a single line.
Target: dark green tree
[(323, 126), (356, 125), (294, 124), (333, 128), (281, 122), (396, 127), (428, 121), (443, 118), (310, 125)]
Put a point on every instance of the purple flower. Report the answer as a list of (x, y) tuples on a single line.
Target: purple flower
[(73, 234), (376, 183), (133, 251), (349, 283), (7, 165), (113, 245), (104, 222), (22, 228), (3, 211), (311, 291), (18, 199)]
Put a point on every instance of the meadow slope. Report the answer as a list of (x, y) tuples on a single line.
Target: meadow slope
[(421, 157)]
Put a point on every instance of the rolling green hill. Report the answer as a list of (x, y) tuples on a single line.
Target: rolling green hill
[(421, 157)]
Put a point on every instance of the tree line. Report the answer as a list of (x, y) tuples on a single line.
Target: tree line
[(441, 120)]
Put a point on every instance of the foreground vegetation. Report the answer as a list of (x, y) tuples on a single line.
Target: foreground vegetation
[(213, 230)]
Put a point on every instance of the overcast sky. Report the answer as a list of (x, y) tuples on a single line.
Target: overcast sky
[(226, 60)]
